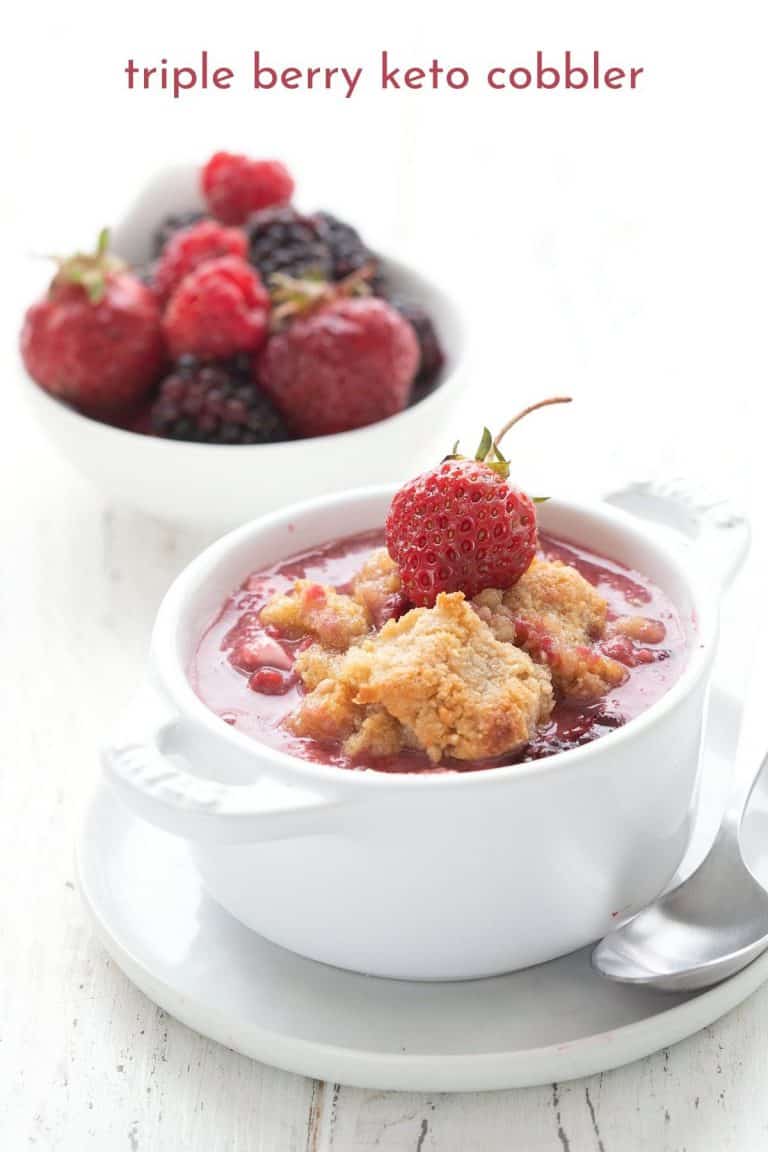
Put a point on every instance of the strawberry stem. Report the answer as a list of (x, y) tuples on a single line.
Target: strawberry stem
[(89, 269), (531, 408), (488, 450), (293, 296)]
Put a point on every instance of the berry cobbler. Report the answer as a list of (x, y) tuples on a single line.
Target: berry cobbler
[(457, 638)]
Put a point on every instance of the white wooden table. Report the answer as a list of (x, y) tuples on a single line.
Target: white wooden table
[(86, 1061)]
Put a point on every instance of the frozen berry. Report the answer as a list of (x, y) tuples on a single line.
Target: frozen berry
[(190, 247), (95, 340), (280, 240), (629, 653), (235, 186), (462, 527), (215, 403), (220, 309), (432, 358), (348, 252), (271, 681), (342, 365), (173, 224)]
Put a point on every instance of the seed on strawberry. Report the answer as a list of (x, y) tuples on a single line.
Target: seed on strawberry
[(462, 527), (235, 186), (95, 340), (218, 310)]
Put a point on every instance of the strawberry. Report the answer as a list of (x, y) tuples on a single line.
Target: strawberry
[(218, 310), (190, 247), (340, 364), (462, 527), (235, 186), (95, 340)]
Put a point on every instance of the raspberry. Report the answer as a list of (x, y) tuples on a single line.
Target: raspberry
[(190, 247), (173, 224), (348, 252), (220, 309), (462, 527), (95, 340), (343, 365), (235, 186), (283, 241), (271, 682), (215, 403)]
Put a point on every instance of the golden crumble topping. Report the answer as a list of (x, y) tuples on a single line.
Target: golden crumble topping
[(318, 609), (377, 584), (640, 628), (561, 598), (442, 679), (465, 679), (555, 614)]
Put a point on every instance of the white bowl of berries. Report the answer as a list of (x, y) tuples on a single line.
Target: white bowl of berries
[(474, 721), (222, 354)]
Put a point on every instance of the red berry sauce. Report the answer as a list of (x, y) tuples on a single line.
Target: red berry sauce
[(243, 670)]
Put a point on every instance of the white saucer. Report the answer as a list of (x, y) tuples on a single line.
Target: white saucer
[(553, 1022)]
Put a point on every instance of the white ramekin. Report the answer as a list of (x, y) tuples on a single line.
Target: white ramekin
[(431, 877), (215, 485)]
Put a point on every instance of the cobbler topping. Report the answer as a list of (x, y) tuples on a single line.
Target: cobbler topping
[(324, 656), (555, 615), (319, 611), (445, 683), (377, 587)]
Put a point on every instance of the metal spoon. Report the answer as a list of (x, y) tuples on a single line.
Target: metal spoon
[(708, 928)]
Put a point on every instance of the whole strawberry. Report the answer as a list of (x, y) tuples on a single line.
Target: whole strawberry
[(188, 248), (235, 186), (462, 527), (96, 339), (341, 365), (218, 310)]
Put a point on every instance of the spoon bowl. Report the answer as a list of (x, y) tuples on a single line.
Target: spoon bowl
[(706, 929)]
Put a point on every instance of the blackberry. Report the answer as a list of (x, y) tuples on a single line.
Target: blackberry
[(582, 729), (173, 224), (280, 240), (432, 356), (215, 402), (348, 252)]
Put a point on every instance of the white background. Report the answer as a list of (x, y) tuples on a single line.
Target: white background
[(611, 244)]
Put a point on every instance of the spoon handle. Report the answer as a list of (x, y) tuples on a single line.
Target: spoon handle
[(739, 798)]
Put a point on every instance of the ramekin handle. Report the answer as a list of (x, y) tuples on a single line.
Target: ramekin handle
[(154, 783), (718, 533)]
